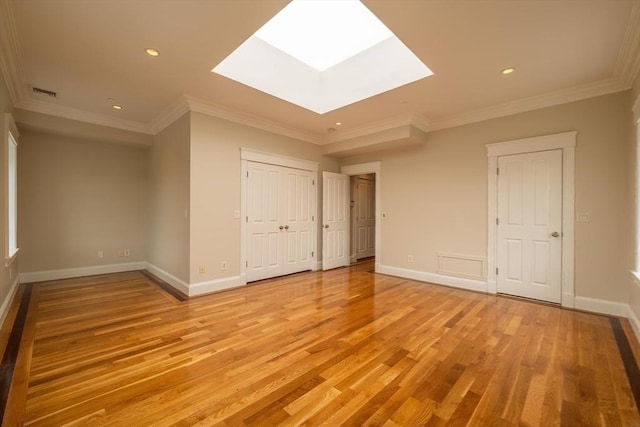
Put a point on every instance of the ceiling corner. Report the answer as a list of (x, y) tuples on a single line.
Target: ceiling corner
[(628, 62), (168, 115), (10, 58)]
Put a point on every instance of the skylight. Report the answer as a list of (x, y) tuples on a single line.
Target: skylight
[(324, 33), (323, 55)]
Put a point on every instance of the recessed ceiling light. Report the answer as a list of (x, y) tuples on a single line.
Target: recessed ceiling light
[(508, 70), (338, 123), (116, 107), (152, 52)]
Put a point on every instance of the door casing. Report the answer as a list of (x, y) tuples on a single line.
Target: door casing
[(565, 141)]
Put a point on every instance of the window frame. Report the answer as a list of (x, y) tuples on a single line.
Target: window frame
[(10, 137)]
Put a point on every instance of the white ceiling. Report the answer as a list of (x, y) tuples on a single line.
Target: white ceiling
[(89, 51)]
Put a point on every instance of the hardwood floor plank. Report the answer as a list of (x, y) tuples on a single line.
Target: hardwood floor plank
[(343, 347)]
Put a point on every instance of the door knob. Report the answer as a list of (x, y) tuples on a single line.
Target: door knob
[(281, 227), (286, 227), (555, 234), (326, 226)]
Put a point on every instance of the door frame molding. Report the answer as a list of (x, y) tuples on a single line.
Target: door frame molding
[(363, 169), (250, 155), (566, 141)]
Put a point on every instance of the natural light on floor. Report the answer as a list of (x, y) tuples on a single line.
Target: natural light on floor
[(323, 55)]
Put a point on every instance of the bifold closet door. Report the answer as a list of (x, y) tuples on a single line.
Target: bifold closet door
[(280, 220)]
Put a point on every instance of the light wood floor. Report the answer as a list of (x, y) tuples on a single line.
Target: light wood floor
[(346, 347)]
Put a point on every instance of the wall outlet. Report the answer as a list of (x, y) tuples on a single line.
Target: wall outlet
[(127, 252), (202, 269), (100, 254), (120, 252), (409, 258), (223, 265)]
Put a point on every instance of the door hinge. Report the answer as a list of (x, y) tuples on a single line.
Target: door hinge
[(246, 219), (313, 254), (496, 271), (497, 221), (497, 171), (246, 263), (313, 182), (313, 218), (247, 174)]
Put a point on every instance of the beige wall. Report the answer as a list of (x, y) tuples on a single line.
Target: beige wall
[(435, 195), (169, 199), (215, 188), (78, 197)]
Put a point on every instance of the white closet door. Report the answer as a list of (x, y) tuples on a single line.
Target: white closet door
[(298, 219), (280, 220), (265, 239)]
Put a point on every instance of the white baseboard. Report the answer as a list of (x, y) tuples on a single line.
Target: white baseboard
[(635, 322), (67, 273), (601, 306), (6, 304), (439, 279), (315, 266), (179, 284), (215, 285), (568, 300)]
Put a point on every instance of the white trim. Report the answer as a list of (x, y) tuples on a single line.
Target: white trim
[(67, 273), (6, 304), (567, 142), (277, 159), (167, 116), (209, 286), (628, 61), (439, 279), (226, 113), (601, 306), (563, 96), (316, 266), (172, 280), (412, 119), (634, 321), (375, 168), (530, 145), (65, 112), (10, 58)]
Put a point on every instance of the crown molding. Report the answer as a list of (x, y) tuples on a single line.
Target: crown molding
[(412, 119), (43, 107), (10, 58), (167, 116), (219, 111), (628, 61), (550, 99)]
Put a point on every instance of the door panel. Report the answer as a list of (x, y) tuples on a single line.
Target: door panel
[(335, 202), (529, 213), (265, 244), (365, 218)]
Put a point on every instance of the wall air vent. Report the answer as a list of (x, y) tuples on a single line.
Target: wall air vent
[(44, 92)]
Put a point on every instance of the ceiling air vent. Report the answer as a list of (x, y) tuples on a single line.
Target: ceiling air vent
[(44, 92)]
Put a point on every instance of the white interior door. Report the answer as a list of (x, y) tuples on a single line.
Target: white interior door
[(265, 239), (529, 230), (365, 218), (335, 220)]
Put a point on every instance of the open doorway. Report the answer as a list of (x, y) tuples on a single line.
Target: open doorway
[(372, 169), (362, 217)]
